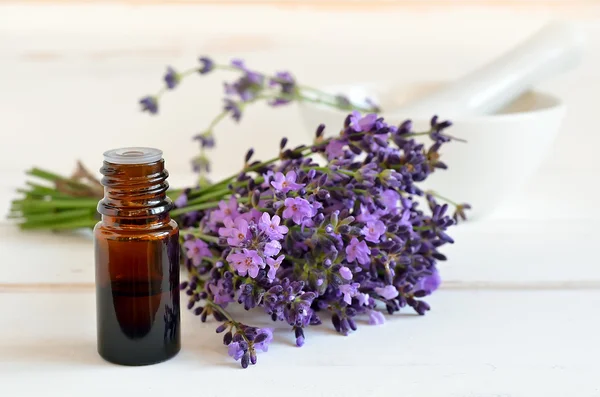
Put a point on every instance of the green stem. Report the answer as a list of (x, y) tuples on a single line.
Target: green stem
[(210, 195), (222, 311), (55, 178), (195, 207), (60, 203), (75, 224), (439, 196), (202, 236), (58, 216)]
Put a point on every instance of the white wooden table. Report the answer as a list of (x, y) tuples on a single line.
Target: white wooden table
[(518, 312)]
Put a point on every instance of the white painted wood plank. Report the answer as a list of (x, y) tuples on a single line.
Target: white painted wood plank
[(470, 344)]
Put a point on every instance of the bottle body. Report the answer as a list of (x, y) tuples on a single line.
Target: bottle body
[(137, 267)]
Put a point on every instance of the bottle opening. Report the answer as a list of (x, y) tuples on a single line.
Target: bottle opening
[(133, 155)]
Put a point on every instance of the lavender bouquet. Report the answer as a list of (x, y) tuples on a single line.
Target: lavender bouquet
[(333, 229)]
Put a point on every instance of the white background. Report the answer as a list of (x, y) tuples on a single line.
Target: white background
[(518, 308)]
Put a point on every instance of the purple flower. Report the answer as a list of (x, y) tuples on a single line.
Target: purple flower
[(429, 283), (364, 124), (297, 208), (181, 201), (373, 231), (404, 223), (278, 102), (226, 209), (390, 198), (207, 65), (267, 179), (235, 350), (238, 63), (272, 248), (233, 108), (335, 149), (376, 318), (246, 262), (171, 78), (349, 291), (149, 104), (197, 249), (363, 299), (366, 216), (221, 295), (345, 273), (264, 344), (274, 266), (285, 80), (271, 226), (387, 292), (359, 251), (228, 228), (286, 183), (239, 233), (251, 216)]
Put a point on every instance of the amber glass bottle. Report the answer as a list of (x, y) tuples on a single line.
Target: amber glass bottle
[(137, 261)]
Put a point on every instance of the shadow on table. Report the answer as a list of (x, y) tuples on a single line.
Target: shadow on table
[(54, 351)]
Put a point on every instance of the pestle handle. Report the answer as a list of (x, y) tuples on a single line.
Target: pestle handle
[(556, 48)]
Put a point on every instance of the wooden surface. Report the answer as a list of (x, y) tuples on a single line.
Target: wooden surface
[(517, 314)]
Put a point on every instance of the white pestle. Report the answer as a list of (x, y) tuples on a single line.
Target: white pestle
[(556, 48)]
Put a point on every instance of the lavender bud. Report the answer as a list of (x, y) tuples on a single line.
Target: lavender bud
[(243, 345), (245, 360), (322, 180), (320, 130), (249, 154), (238, 337), (347, 121), (255, 198), (352, 324), (336, 280), (350, 312), (334, 218), (198, 311), (323, 194), (421, 307), (221, 328), (203, 316), (227, 338), (283, 143), (335, 319), (344, 326), (253, 357), (327, 263), (329, 228), (311, 174), (183, 285), (260, 338), (191, 304), (343, 229)]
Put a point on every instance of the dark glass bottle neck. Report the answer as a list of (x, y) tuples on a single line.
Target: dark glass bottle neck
[(135, 195)]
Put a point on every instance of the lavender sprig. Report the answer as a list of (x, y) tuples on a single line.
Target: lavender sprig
[(299, 239), (251, 87)]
